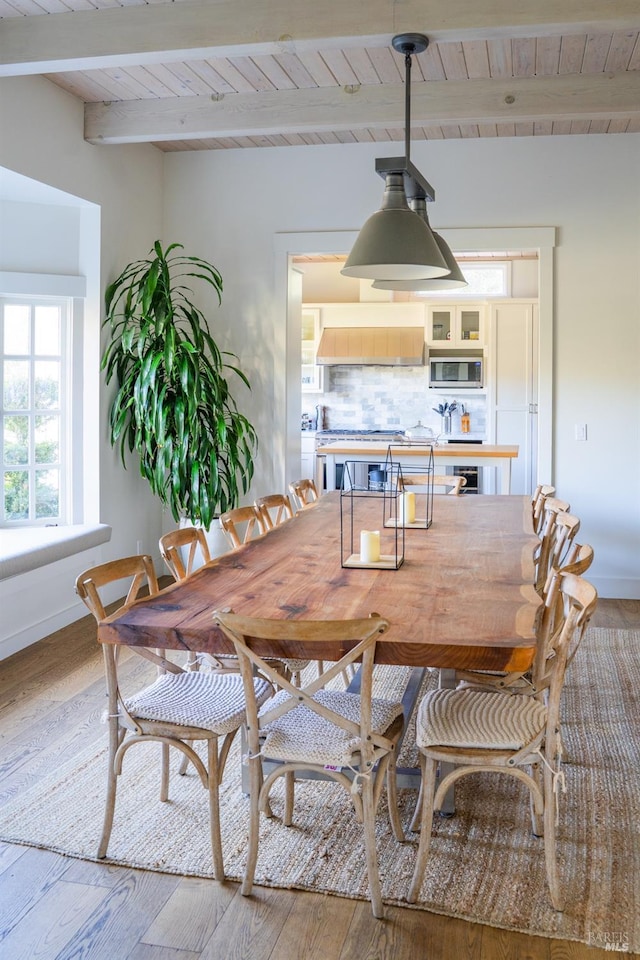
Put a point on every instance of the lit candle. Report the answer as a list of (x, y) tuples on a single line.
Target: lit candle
[(370, 546), (407, 508)]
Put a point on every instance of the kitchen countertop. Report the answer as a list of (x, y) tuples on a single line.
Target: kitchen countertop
[(483, 454)]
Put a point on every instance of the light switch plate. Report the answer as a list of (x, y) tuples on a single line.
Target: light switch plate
[(581, 431)]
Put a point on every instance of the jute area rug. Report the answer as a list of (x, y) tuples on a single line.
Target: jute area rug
[(484, 866)]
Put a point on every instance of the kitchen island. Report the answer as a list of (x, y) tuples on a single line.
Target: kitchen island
[(413, 456)]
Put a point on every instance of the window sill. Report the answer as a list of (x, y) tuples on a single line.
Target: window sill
[(27, 548)]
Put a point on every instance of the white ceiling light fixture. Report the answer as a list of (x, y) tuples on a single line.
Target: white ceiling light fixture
[(453, 281), (396, 243)]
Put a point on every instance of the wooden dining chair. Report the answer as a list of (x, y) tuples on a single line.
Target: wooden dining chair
[(577, 562), (233, 522), (179, 707), (540, 494), (480, 731), (453, 486), (179, 550), (328, 732), (552, 507), (275, 509), (304, 493)]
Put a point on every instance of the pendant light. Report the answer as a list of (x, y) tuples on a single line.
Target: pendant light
[(452, 282), (395, 243)]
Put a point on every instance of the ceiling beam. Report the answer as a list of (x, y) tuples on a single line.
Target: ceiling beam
[(206, 29), (324, 109)]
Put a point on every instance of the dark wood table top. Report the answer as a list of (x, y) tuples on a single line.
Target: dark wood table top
[(463, 597)]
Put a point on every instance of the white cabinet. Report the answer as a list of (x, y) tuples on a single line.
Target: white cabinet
[(308, 455), (311, 374), (456, 325), (513, 396), (372, 314)]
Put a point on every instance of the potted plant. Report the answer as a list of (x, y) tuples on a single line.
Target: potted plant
[(173, 405)]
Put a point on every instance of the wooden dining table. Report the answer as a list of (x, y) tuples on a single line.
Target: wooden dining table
[(463, 596)]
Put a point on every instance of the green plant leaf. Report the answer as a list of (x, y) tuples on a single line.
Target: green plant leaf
[(173, 406)]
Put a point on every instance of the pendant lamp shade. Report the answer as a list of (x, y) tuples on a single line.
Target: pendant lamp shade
[(395, 243), (424, 284)]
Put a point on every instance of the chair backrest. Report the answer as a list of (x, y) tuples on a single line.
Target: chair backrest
[(552, 507), (137, 570), (579, 599), (232, 521), (173, 547), (453, 485), (304, 493), (274, 509), (540, 494), (140, 573), (358, 637), (565, 528), (554, 615)]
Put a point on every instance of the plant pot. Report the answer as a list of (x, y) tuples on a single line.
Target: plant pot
[(446, 424)]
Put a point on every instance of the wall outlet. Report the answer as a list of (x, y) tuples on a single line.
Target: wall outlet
[(581, 431)]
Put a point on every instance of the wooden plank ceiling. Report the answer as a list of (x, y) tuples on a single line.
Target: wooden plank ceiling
[(219, 74)]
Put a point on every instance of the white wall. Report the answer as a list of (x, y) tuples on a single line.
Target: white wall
[(229, 205), (42, 138)]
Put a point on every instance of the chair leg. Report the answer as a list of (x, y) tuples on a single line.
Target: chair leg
[(368, 818), (214, 807), (289, 786), (255, 785), (392, 799), (537, 809), (164, 774), (550, 858), (428, 768), (115, 738), (415, 822)]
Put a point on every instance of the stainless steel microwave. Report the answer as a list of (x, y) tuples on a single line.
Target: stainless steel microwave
[(456, 373)]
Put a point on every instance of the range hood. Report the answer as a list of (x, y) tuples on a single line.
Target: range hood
[(389, 346)]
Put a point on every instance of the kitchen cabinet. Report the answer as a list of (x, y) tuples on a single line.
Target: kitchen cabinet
[(308, 455), (456, 325), (512, 415), (312, 376)]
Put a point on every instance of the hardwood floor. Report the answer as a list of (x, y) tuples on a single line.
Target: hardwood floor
[(51, 906)]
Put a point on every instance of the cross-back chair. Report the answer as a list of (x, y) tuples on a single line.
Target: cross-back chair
[(304, 493), (552, 507), (233, 522), (453, 485), (577, 562), (179, 549), (478, 731), (178, 707), (275, 509), (540, 494), (319, 730)]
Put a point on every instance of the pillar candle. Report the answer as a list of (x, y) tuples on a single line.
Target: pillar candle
[(407, 508), (370, 546)]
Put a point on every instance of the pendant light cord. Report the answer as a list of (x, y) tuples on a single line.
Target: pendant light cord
[(407, 104)]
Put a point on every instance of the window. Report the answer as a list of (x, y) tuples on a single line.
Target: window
[(484, 279), (34, 374)]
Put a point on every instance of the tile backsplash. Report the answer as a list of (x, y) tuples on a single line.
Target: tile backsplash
[(378, 397)]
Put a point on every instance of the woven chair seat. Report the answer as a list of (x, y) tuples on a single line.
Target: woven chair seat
[(302, 735), (209, 700), (478, 719)]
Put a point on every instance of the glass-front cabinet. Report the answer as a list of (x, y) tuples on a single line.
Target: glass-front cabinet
[(311, 373), (455, 325)]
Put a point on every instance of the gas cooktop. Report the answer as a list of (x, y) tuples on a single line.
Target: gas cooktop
[(347, 431)]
